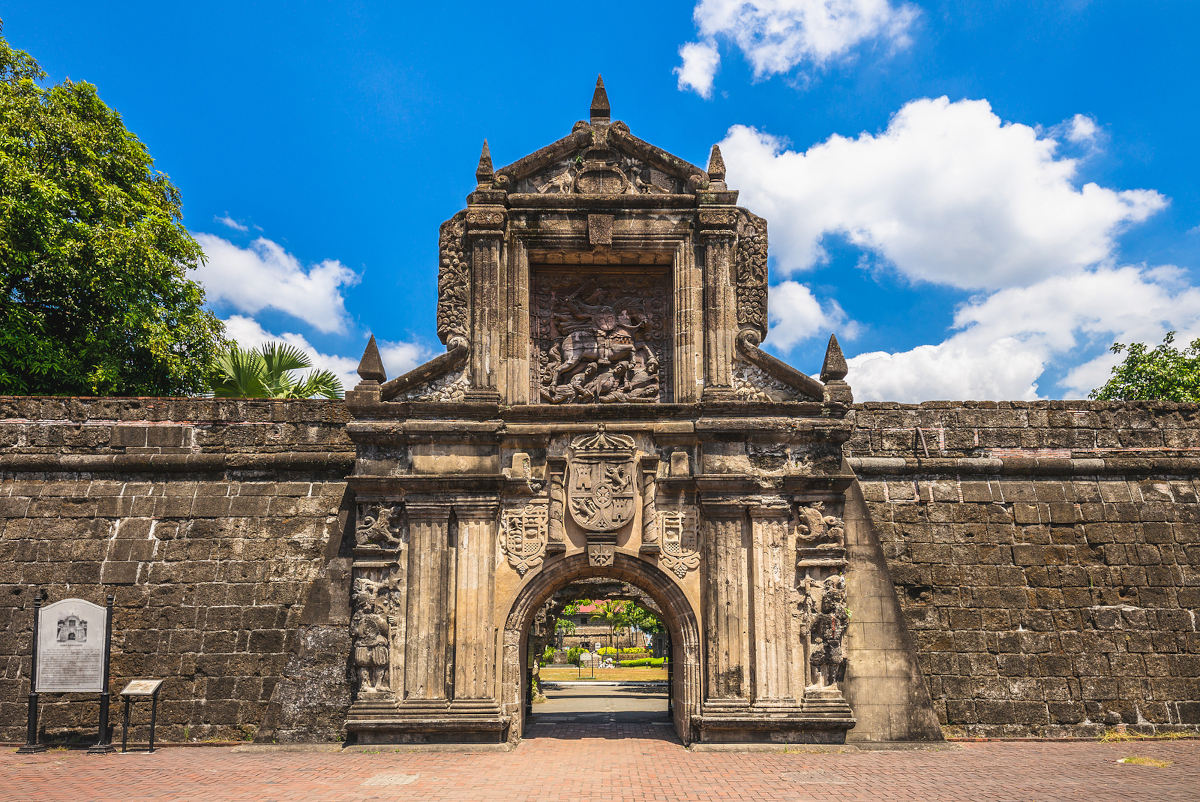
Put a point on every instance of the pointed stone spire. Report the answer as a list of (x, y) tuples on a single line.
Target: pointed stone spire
[(834, 368), (484, 174), (370, 367), (716, 165), (600, 110)]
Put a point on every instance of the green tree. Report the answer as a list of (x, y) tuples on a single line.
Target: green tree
[(94, 297), (611, 612), (1165, 373), (266, 372)]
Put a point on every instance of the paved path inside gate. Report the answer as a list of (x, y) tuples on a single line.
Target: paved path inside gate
[(610, 743)]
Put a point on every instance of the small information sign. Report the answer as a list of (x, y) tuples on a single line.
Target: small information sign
[(70, 643), (142, 687)]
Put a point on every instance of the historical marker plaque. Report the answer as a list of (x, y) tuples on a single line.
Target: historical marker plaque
[(70, 646)]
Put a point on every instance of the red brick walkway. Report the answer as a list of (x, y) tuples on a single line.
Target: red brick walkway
[(557, 765)]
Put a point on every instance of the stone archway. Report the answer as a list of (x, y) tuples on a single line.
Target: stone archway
[(678, 615)]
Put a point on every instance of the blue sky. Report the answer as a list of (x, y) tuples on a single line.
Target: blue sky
[(977, 197)]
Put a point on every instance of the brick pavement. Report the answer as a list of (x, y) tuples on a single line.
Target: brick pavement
[(629, 762)]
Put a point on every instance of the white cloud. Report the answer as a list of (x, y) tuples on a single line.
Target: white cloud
[(1082, 129), (398, 357), (1004, 342), (949, 193), (700, 63), (229, 222), (777, 35), (795, 314), (265, 275)]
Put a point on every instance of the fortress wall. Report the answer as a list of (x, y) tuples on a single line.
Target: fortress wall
[(216, 525), (1046, 557)]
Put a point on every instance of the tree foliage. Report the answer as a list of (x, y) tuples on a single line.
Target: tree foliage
[(267, 372), (94, 297), (1164, 373)]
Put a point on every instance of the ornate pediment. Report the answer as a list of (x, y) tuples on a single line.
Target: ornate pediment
[(602, 171)]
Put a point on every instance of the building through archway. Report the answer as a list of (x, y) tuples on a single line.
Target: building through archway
[(602, 410)]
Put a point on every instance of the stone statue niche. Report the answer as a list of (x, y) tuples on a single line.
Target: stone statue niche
[(601, 338)]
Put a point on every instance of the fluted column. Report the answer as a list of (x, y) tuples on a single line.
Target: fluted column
[(718, 235), (429, 601), (773, 576), (474, 639), (726, 604), (485, 229)]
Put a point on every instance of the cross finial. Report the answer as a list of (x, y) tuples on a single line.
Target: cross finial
[(600, 110)]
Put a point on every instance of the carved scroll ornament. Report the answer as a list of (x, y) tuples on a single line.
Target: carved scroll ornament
[(453, 281)]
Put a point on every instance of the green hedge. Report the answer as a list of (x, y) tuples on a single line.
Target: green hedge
[(643, 661)]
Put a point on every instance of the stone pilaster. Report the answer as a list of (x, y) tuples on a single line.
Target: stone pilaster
[(474, 637), (726, 606), (778, 680), (556, 534), (485, 230), (718, 235), (429, 601)]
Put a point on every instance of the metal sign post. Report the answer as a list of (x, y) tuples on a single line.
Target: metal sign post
[(104, 742), (31, 729), (135, 691)]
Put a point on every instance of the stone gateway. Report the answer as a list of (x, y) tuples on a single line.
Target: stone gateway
[(383, 569)]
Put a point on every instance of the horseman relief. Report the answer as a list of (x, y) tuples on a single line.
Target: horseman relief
[(595, 344)]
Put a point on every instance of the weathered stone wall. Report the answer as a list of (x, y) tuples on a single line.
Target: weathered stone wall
[(217, 526), (1046, 557)]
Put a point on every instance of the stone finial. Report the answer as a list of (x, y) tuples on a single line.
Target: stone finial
[(484, 174), (834, 367), (716, 165), (600, 110), (370, 367)]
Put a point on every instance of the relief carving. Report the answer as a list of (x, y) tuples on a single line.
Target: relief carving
[(750, 263), (602, 171), (752, 383), (680, 552), (825, 603), (816, 530), (370, 630), (594, 344), (453, 281), (600, 485), (378, 525), (451, 388), (523, 535)]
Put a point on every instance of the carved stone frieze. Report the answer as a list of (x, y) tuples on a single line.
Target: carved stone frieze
[(601, 171), (370, 632), (523, 535), (678, 530), (750, 260), (379, 526), (597, 342), (453, 281), (601, 487)]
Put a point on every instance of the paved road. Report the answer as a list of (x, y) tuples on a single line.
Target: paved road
[(607, 744)]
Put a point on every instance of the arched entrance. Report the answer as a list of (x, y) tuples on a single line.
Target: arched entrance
[(678, 615)]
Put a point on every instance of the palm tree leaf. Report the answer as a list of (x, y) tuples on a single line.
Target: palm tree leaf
[(320, 382), (238, 373)]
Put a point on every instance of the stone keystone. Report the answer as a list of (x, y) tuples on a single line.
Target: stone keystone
[(370, 367)]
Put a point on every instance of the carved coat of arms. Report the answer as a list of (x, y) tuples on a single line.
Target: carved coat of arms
[(523, 536), (601, 492)]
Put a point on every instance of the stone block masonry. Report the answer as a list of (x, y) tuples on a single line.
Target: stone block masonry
[(1046, 557), (216, 524)]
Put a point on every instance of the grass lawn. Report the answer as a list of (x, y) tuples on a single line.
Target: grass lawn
[(639, 674)]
